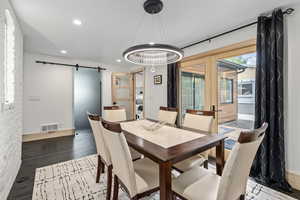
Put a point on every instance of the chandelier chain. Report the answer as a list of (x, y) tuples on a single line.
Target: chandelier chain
[(163, 30), (135, 38), (153, 53)]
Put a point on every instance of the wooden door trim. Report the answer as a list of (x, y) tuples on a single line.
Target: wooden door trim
[(133, 72), (240, 45), (210, 58), (113, 87)]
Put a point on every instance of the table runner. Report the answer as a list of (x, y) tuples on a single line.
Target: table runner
[(165, 137)]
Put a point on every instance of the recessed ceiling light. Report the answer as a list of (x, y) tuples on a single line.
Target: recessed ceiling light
[(77, 22), (151, 43), (119, 60), (63, 52)]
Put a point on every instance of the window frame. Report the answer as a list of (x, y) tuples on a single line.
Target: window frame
[(9, 69), (249, 82)]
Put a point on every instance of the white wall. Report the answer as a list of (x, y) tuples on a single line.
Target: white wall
[(292, 92), (232, 38), (11, 121), (155, 95), (48, 91)]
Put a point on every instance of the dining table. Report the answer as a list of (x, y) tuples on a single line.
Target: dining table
[(169, 144)]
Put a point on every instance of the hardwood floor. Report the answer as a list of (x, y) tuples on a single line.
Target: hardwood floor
[(46, 152)]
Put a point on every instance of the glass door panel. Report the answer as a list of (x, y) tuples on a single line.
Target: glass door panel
[(194, 83), (187, 91), (199, 90), (122, 92), (236, 86)]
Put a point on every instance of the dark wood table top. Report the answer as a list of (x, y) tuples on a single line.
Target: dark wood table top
[(175, 153)]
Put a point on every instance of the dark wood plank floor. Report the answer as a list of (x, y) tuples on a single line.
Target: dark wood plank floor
[(46, 152)]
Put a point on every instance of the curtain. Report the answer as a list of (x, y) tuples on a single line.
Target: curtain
[(173, 70), (269, 164)]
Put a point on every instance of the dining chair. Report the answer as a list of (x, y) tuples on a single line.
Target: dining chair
[(199, 120), (114, 113), (139, 178), (200, 183), (104, 158), (118, 114), (168, 114)]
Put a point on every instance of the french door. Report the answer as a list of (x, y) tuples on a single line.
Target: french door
[(218, 81), (196, 85)]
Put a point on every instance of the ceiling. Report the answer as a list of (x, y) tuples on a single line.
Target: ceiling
[(111, 26)]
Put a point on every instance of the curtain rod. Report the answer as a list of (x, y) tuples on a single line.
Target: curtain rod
[(287, 11), (69, 65)]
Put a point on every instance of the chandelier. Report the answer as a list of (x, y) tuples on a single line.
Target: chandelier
[(153, 54)]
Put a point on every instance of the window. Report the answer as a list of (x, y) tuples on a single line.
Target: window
[(9, 61), (245, 89), (226, 91)]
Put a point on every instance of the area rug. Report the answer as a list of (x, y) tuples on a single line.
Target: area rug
[(224, 130), (75, 180)]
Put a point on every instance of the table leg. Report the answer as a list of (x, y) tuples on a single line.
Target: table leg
[(220, 160), (165, 181)]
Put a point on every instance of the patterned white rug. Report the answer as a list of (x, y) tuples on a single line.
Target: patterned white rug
[(75, 180)]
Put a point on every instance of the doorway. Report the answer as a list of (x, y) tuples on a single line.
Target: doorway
[(86, 96), (221, 80), (236, 92), (122, 92), (128, 90), (139, 92)]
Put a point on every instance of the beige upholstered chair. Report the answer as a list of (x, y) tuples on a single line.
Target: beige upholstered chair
[(199, 183), (118, 114), (138, 178), (114, 113), (102, 151), (200, 120), (168, 115)]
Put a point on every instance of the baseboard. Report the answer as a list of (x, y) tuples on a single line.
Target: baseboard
[(43, 136), (293, 179)]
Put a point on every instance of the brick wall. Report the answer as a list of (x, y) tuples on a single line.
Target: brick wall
[(11, 120)]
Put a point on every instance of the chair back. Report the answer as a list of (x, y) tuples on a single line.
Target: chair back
[(114, 113), (198, 119), (237, 168), (120, 155), (168, 115), (97, 130)]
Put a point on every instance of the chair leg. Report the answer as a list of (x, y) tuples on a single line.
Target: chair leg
[(109, 182), (103, 168), (205, 164), (99, 166), (116, 188), (242, 197), (173, 196)]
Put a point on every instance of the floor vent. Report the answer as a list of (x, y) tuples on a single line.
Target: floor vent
[(48, 128)]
